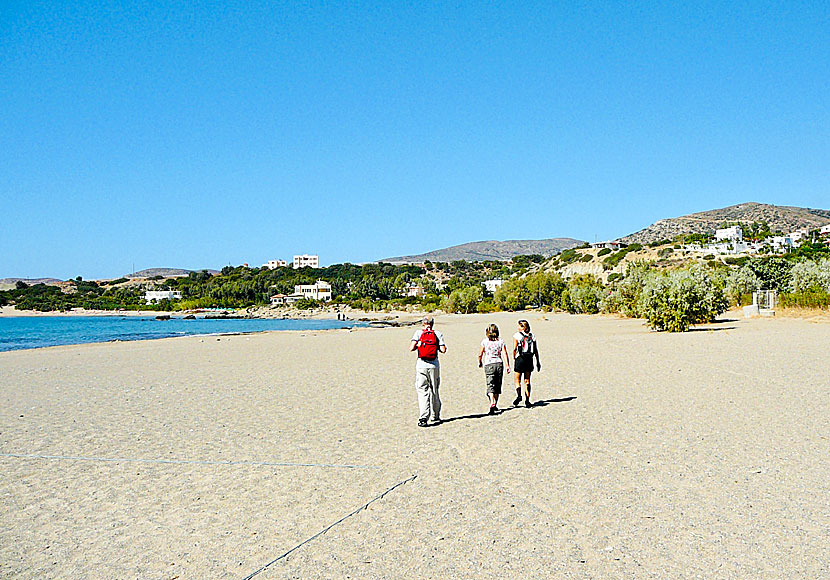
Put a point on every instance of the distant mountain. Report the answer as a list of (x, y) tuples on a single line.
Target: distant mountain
[(166, 272), (30, 281), (779, 217), (490, 250)]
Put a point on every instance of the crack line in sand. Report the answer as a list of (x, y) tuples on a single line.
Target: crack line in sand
[(187, 462), (324, 530)]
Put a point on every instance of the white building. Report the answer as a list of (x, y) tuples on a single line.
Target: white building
[(306, 261), (780, 243), (280, 299), (274, 264), (615, 245), (493, 285), (415, 290), (798, 237), (320, 290), (731, 234), (151, 296), (824, 230)]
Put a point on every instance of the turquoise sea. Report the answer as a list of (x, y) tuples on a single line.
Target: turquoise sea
[(39, 331)]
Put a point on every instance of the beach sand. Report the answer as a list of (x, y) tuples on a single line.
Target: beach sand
[(649, 455)]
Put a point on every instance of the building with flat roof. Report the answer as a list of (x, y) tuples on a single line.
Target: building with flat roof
[(306, 261), (320, 291), (151, 296), (274, 264)]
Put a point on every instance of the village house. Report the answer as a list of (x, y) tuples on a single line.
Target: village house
[(320, 291), (492, 285), (730, 234), (825, 230), (282, 299), (274, 264), (152, 296), (415, 290), (615, 245), (306, 261)]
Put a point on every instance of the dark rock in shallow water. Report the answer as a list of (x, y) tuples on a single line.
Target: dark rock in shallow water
[(189, 317), (163, 317)]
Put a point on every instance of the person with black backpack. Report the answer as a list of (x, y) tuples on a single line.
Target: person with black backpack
[(428, 343), (524, 349)]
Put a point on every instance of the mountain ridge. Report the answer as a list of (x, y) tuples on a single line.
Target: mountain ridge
[(490, 250), (779, 217)]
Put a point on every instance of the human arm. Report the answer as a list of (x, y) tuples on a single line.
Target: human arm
[(536, 353), (480, 354), (506, 358)]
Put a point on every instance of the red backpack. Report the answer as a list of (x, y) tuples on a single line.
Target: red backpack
[(428, 345)]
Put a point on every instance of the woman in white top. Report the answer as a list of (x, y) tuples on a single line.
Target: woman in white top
[(524, 349), (492, 348)]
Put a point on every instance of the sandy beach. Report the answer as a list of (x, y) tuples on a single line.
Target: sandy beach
[(649, 455)]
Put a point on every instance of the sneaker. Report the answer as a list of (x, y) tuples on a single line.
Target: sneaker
[(492, 410), (495, 410), (517, 400), (422, 422), (528, 404)]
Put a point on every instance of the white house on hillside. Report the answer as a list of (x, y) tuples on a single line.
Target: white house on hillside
[(320, 291), (306, 261), (151, 296), (731, 234), (274, 264), (493, 285), (615, 245), (824, 230)]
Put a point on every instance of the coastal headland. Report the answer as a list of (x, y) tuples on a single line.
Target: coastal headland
[(648, 455)]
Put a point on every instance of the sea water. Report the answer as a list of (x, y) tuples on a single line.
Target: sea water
[(21, 332)]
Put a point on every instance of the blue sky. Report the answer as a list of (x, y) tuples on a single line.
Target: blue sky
[(197, 135)]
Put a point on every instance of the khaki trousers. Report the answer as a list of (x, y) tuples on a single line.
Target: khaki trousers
[(427, 381)]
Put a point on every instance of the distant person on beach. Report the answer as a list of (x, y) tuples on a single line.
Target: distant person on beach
[(428, 342), (489, 356), (524, 349)]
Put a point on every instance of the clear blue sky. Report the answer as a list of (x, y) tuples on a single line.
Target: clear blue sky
[(197, 135)]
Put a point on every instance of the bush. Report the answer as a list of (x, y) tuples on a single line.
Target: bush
[(624, 297), (673, 301), (604, 252), (586, 258), (582, 295), (809, 299), (808, 276)]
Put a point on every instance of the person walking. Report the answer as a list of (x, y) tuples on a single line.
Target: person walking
[(489, 356), (524, 349), (428, 342)]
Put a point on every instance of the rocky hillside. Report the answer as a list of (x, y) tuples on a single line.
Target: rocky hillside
[(166, 272), (29, 281), (782, 218), (490, 250)]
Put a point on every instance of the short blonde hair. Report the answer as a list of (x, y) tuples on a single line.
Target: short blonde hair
[(492, 332)]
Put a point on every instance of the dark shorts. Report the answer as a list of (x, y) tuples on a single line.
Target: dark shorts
[(493, 375), (523, 364)]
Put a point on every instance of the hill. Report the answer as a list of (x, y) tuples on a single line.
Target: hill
[(166, 272), (490, 250), (29, 281), (781, 218)]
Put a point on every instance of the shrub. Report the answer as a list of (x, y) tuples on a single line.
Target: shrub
[(673, 301), (604, 252), (741, 282), (582, 295), (624, 297), (586, 258), (809, 299), (808, 276)]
